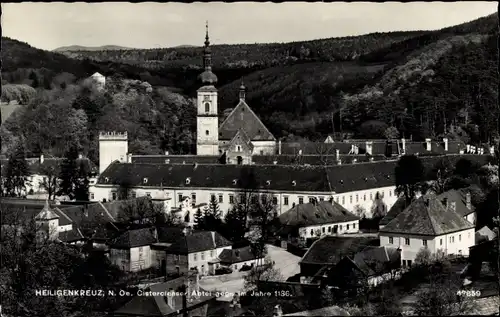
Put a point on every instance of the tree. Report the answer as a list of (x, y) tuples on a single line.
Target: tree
[(235, 224), (391, 133), (34, 80), (439, 176), (74, 176), (16, 175), (373, 129), (141, 210), (409, 175), (50, 181), (198, 219), (212, 216), (440, 298)]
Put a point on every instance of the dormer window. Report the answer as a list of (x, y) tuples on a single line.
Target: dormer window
[(388, 176), (106, 179), (167, 161), (188, 180), (341, 181), (366, 179), (235, 181), (145, 180), (268, 183), (294, 183), (207, 107)]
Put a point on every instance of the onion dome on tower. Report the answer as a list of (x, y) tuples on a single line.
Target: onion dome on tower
[(207, 77)]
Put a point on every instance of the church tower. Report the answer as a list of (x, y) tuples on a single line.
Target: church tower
[(207, 130)]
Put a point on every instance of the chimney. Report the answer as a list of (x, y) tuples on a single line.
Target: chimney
[(41, 159), (492, 150), (468, 201), (453, 206), (277, 311), (166, 152), (369, 147), (302, 280), (213, 239), (129, 157), (80, 156), (337, 154), (279, 147), (445, 203), (428, 145), (403, 146), (371, 159), (170, 298), (445, 141), (354, 161)]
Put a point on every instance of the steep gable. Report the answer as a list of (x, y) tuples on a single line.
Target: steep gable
[(242, 117), (242, 139)]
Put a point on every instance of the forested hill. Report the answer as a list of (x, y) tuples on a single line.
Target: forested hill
[(418, 84), (73, 48), (252, 55)]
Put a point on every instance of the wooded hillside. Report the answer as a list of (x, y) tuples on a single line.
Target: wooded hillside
[(422, 84)]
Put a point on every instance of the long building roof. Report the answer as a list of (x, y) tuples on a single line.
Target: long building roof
[(330, 178)]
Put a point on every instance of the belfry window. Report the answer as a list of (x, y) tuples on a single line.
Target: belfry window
[(207, 107)]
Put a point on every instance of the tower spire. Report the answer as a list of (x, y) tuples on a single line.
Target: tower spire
[(207, 53), (207, 40), (207, 77)]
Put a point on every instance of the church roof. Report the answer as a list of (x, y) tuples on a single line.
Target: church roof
[(243, 117)]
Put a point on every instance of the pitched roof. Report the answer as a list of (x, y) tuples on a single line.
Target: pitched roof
[(310, 214), (14, 209), (372, 260), (460, 198), (198, 241), (337, 178), (242, 117), (395, 210), (157, 305), (330, 249), (485, 233), (341, 178), (427, 216), (49, 163), (232, 256), (176, 159), (71, 236), (379, 147), (134, 238)]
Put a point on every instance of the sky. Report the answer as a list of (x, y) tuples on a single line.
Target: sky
[(152, 25)]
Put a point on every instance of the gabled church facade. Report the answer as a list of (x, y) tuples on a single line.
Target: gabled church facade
[(241, 135)]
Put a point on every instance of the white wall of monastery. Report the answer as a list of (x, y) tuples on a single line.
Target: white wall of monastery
[(201, 259), (454, 243), (328, 229), (239, 265), (228, 197), (264, 147)]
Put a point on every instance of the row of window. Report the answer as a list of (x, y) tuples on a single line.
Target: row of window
[(220, 198), (334, 228), (424, 241), (202, 255)]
